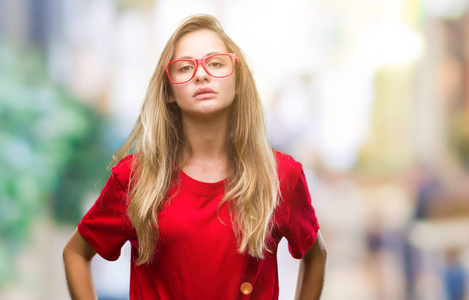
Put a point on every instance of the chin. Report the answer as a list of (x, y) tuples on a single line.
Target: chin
[(211, 111)]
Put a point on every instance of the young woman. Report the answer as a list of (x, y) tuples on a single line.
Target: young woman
[(203, 198)]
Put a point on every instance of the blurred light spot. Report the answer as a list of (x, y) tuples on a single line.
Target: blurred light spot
[(391, 43)]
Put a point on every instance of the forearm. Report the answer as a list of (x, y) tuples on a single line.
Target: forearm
[(311, 279), (79, 276)]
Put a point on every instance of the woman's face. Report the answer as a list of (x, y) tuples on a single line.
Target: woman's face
[(203, 95)]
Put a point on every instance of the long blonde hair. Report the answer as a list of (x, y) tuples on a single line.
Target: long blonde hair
[(157, 139)]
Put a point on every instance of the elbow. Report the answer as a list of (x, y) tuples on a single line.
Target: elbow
[(323, 250), (324, 255), (66, 252), (78, 247)]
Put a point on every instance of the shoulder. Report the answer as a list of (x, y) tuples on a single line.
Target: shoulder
[(287, 167), (123, 169)]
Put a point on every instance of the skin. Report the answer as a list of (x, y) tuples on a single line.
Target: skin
[(77, 256), (196, 45), (312, 271), (205, 126)]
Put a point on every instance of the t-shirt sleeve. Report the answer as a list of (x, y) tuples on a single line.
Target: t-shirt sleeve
[(303, 226), (105, 226)]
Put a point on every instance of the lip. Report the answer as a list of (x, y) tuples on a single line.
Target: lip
[(204, 93)]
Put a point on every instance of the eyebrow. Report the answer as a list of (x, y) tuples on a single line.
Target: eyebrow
[(191, 57)]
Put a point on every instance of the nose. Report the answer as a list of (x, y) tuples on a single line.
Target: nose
[(200, 73)]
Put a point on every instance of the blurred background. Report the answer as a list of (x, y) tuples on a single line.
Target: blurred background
[(372, 96)]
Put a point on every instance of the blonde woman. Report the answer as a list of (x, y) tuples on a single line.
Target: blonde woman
[(197, 190)]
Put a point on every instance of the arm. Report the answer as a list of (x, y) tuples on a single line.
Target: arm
[(77, 256), (312, 271)]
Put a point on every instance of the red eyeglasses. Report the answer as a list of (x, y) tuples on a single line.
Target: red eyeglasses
[(218, 65)]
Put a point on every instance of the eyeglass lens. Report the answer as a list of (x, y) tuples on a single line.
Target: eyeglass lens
[(220, 65)]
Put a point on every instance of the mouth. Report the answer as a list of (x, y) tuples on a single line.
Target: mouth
[(204, 92)]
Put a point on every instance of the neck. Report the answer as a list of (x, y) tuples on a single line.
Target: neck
[(205, 138)]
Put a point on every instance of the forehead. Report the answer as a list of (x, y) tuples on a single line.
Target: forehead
[(198, 44)]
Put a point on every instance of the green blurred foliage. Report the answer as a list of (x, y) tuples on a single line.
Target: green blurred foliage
[(52, 151)]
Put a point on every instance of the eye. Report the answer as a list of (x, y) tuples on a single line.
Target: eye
[(186, 68), (181, 66), (215, 64)]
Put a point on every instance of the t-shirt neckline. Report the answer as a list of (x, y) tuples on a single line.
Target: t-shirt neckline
[(202, 186)]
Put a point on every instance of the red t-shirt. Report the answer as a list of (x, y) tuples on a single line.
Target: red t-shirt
[(197, 257)]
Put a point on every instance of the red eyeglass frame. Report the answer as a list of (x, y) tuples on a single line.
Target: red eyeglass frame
[(201, 61)]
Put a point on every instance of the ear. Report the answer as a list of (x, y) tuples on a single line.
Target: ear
[(171, 99)]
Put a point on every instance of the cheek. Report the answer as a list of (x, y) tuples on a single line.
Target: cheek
[(232, 87), (178, 92)]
